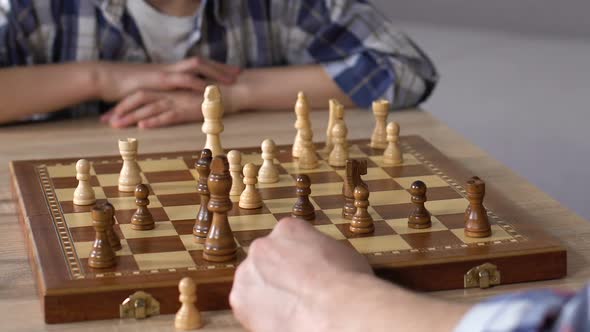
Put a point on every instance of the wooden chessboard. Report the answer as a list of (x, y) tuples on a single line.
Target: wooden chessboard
[(60, 235)]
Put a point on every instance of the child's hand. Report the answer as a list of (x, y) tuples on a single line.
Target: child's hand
[(151, 109), (118, 80)]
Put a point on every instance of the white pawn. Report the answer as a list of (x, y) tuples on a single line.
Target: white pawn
[(250, 198), (84, 194), (380, 111), (212, 113), (339, 153), (130, 176), (308, 159), (188, 316), (268, 172), (234, 157), (393, 153)]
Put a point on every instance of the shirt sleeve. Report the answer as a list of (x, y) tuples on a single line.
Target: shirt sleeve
[(544, 310), (15, 19), (360, 49)]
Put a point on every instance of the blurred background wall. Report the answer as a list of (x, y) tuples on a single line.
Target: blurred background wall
[(515, 80)]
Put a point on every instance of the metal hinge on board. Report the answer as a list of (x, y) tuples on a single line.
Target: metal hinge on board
[(139, 305), (482, 276)]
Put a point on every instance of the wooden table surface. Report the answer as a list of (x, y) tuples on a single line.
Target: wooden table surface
[(19, 305)]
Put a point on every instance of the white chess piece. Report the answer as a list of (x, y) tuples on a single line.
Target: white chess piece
[(250, 198), (84, 194), (339, 153), (130, 175), (380, 111), (188, 316), (212, 113), (268, 172), (332, 104), (393, 154), (234, 157), (302, 113), (308, 158)]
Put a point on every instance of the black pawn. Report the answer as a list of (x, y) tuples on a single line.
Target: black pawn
[(142, 218), (303, 208), (204, 216), (419, 217), (362, 222)]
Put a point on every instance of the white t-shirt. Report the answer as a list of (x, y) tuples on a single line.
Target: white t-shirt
[(165, 37)]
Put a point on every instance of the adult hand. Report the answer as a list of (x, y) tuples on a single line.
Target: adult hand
[(286, 282), (151, 109), (118, 80)]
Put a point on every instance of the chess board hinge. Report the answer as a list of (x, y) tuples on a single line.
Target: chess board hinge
[(482, 276), (139, 305)]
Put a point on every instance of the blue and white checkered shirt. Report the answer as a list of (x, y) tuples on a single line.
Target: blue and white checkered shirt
[(359, 48), (534, 311)]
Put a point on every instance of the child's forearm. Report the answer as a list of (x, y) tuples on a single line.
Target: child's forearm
[(276, 88), (45, 88)]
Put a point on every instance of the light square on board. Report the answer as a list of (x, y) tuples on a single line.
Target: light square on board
[(285, 180), (110, 180), (163, 228), (373, 173), (252, 222), (284, 205), (164, 260), (176, 187), (67, 194), (366, 245), (498, 234), (335, 215), (401, 226), (81, 219), (182, 212), (447, 206), (355, 152), (189, 242), (409, 159), (431, 181), (332, 231), (128, 203), (253, 158), (162, 165), (326, 189), (60, 171), (389, 197), (293, 168)]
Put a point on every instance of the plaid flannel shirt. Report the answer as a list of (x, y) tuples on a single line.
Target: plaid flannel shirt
[(543, 310), (354, 43)]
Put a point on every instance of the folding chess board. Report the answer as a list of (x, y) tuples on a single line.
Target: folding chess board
[(60, 235)]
